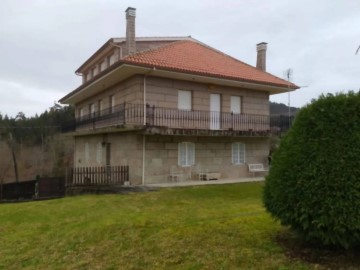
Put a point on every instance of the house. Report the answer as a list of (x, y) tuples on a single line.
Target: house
[(172, 108)]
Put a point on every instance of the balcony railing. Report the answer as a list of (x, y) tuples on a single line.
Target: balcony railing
[(133, 115)]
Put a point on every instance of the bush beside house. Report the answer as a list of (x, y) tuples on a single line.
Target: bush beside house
[(314, 183)]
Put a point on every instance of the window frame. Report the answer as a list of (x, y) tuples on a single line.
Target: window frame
[(238, 153), (181, 95), (188, 148)]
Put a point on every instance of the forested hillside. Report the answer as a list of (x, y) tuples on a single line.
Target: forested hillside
[(31, 146)]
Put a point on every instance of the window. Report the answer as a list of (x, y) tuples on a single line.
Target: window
[(235, 104), (186, 154), (92, 110), (112, 59), (112, 104), (88, 76), (100, 106), (81, 113), (184, 100), (95, 71), (103, 65), (238, 153)]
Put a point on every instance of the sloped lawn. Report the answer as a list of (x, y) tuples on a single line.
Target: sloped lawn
[(207, 227)]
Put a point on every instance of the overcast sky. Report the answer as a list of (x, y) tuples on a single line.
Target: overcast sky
[(43, 42)]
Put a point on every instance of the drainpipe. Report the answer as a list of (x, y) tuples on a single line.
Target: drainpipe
[(144, 101)]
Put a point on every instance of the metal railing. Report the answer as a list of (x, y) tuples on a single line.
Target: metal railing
[(133, 114)]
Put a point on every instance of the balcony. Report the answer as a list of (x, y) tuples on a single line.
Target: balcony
[(170, 121)]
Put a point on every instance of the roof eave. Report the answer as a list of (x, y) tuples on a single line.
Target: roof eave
[(122, 70)]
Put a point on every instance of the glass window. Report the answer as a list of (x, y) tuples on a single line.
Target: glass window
[(238, 153), (186, 154)]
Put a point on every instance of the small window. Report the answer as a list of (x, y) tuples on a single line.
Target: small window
[(111, 104), (100, 106), (184, 100), (235, 104), (81, 113), (186, 154), (94, 71), (103, 65), (88, 76), (92, 110), (238, 153), (112, 59)]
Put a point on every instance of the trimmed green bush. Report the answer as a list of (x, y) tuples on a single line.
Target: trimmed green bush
[(314, 183)]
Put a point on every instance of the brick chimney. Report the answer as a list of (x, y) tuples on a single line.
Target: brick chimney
[(261, 56), (130, 47)]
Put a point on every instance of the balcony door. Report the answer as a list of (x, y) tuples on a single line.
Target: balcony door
[(214, 111)]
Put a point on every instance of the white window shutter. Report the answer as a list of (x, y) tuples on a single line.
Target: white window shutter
[(238, 153), (235, 104), (184, 100), (241, 153), (235, 152), (181, 154)]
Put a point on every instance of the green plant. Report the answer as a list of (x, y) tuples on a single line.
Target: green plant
[(314, 183)]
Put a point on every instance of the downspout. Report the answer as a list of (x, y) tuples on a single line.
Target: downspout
[(144, 123), (144, 140), (143, 161)]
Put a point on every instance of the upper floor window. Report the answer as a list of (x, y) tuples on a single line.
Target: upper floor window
[(100, 106), (235, 104), (184, 100), (81, 113), (92, 110), (95, 71), (112, 104), (238, 153), (112, 59), (103, 65), (88, 76), (186, 154)]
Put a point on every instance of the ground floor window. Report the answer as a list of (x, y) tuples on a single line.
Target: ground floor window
[(186, 154), (238, 153)]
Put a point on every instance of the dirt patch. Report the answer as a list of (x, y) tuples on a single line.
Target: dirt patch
[(322, 257)]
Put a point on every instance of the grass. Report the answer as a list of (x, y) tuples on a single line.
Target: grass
[(207, 227)]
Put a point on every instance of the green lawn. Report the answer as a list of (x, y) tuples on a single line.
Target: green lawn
[(207, 227)]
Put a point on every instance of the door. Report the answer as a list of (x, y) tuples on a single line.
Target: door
[(214, 111)]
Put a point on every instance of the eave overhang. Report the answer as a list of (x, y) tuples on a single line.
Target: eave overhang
[(123, 70)]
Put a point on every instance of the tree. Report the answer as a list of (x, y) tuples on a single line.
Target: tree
[(314, 182)]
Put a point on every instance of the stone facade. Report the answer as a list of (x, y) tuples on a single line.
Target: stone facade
[(160, 152)]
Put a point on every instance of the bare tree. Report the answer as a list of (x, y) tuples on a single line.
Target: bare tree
[(5, 166)]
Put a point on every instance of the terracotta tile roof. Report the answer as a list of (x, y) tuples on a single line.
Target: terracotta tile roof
[(195, 58)]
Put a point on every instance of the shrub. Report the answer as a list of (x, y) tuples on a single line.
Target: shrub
[(314, 182)]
